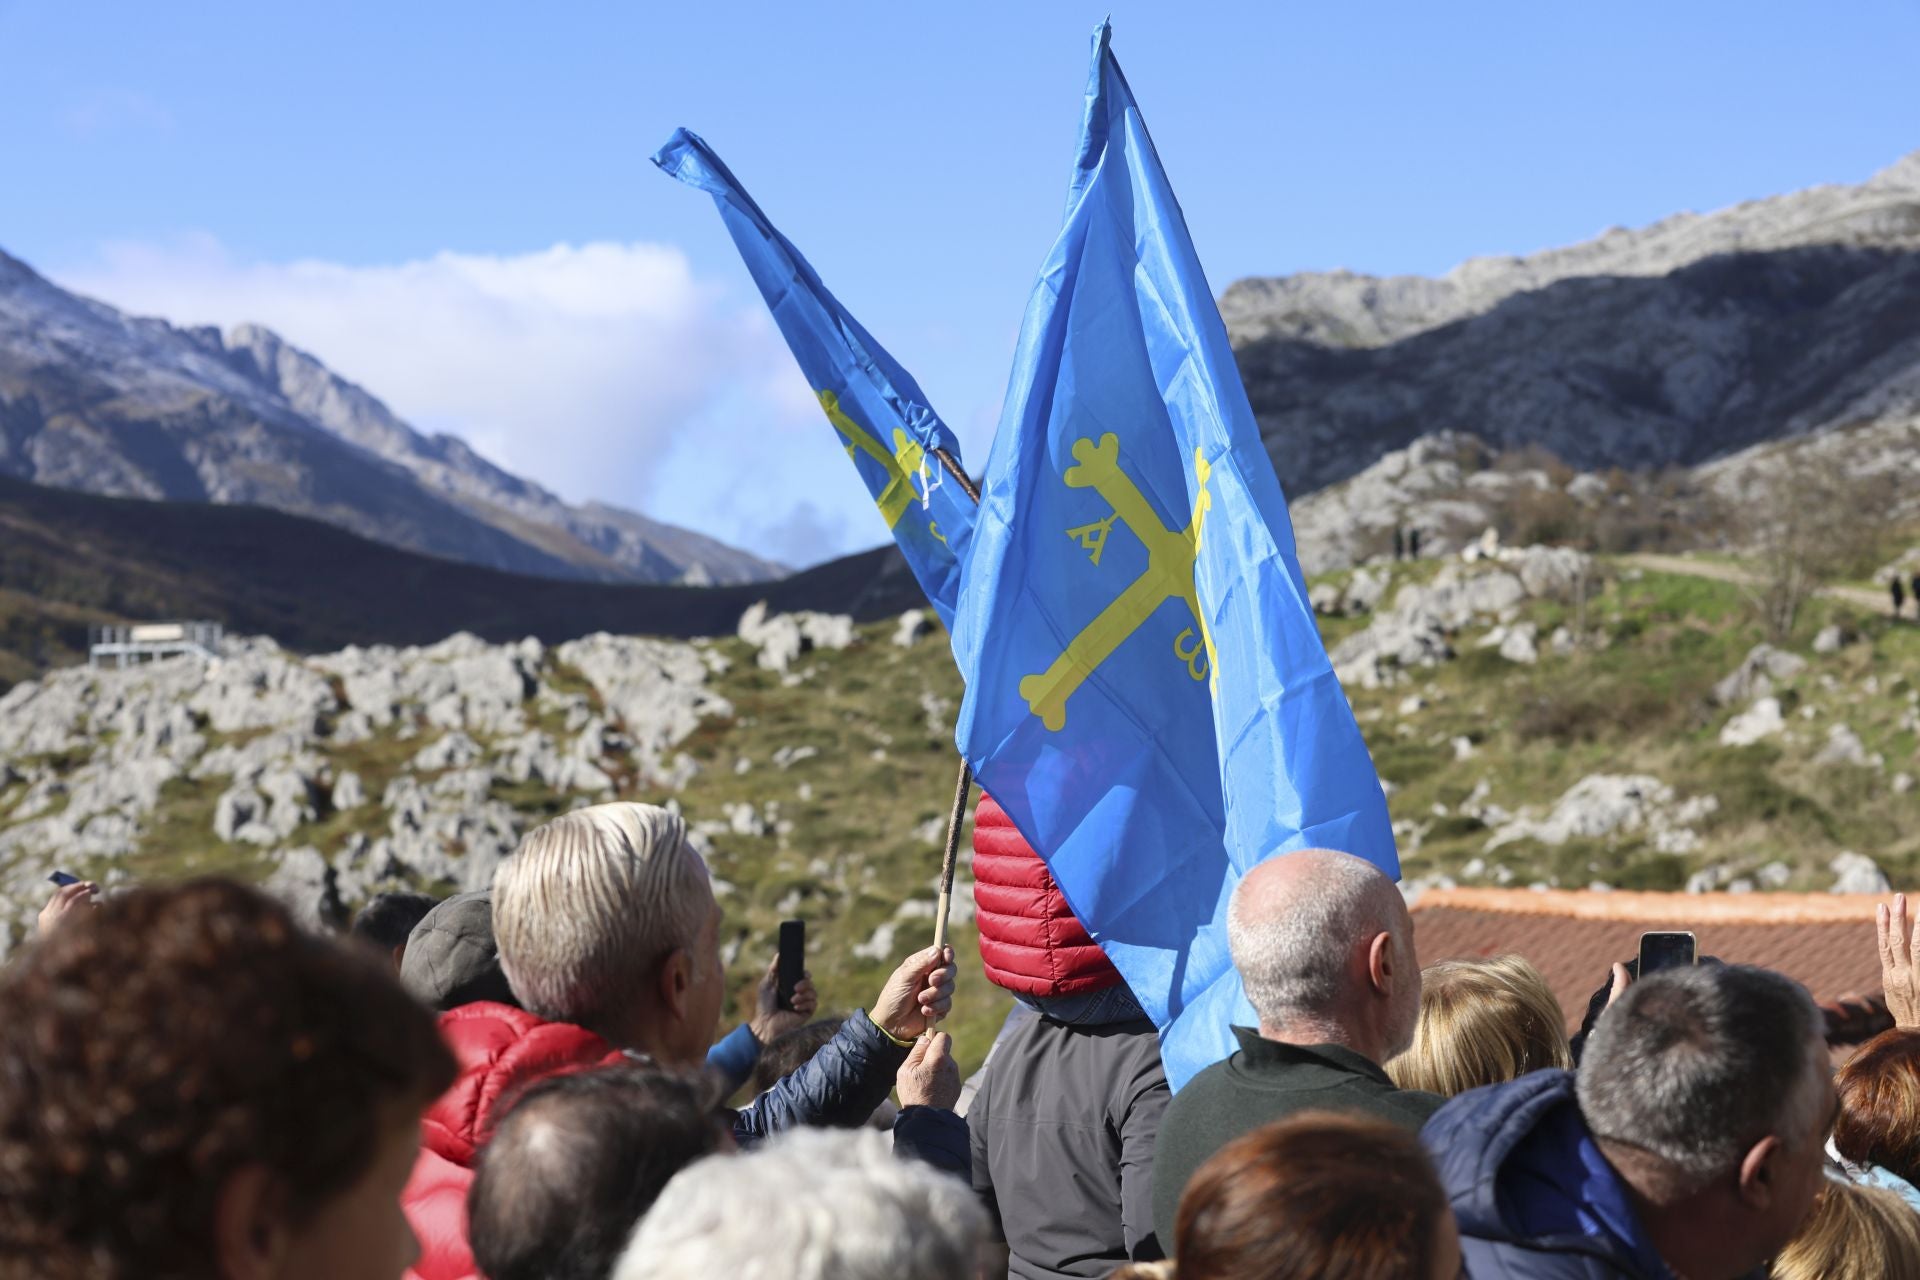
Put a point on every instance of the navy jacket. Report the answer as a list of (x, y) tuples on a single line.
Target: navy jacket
[(1534, 1198), (841, 1086)]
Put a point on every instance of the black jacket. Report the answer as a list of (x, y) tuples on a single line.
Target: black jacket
[(1263, 1082), (1063, 1129)]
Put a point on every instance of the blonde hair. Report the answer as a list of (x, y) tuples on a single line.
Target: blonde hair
[(591, 902), (1854, 1233), (1482, 1022)]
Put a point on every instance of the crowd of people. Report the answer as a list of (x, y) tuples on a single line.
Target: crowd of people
[(527, 1083)]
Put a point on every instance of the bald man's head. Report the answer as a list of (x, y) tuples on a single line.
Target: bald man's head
[(1300, 926)]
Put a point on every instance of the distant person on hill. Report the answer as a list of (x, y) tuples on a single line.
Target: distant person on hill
[(193, 1086), (609, 935), (1898, 591), (1690, 1143), (578, 1160), (1413, 543), (1482, 1022), (1067, 1112), (1399, 543), (1324, 946), (387, 919)]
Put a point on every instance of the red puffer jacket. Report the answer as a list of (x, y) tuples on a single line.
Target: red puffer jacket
[(501, 1050), (1030, 941)]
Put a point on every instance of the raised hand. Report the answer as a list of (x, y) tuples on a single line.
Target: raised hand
[(1899, 961), (66, 900), (770, 1021), (929, 1077), (919, 994)]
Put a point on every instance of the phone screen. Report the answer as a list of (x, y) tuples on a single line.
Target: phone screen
[(1665, 951), (793, 959)]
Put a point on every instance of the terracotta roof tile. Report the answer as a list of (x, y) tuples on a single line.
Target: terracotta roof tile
[(1824, 941)]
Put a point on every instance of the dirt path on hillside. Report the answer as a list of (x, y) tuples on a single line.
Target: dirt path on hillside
[(1858, 596)]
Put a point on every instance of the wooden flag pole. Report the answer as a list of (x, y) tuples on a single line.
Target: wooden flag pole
[(963, 785)]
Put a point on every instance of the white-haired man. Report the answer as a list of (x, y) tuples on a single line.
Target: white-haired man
[(609, 935), (1324, 946), (810, 1206)]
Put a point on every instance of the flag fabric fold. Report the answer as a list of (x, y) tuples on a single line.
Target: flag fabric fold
[(879, 413), (1147, 693)]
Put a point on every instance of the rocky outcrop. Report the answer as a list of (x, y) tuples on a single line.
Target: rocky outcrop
[(1609, 806), (1418, 630), (265, 752)]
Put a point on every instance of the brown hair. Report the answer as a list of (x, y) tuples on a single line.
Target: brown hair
[(158, 1045), (1854, 1233), (1482, 1022), (1340, 1197), (1879, 1088)]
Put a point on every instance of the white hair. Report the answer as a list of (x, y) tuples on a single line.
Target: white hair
[(591, 902), (813, 1204), (1293, 963)]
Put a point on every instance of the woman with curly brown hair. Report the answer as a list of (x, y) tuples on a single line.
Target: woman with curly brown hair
[(191, 1086)]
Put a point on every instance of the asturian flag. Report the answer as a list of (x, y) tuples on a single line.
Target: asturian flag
[(880, 414), (1147, 694)]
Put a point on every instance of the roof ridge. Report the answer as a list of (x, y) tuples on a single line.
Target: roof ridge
[(1627, 905)]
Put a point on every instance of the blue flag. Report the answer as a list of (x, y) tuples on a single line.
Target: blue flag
[(1147, 694), (880, 414)]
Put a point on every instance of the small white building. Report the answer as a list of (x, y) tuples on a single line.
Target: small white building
[(150, 641)]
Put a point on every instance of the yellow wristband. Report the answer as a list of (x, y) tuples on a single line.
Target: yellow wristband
[(898, 1042)]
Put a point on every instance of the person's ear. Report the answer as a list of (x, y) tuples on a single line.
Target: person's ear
[(1380, 963), (1760, 1172), (249, 1227), (676, 982)]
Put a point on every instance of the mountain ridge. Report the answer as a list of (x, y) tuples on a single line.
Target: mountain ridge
[(94, 399)]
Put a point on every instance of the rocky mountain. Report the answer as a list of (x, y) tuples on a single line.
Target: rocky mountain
[(96, 400), (1703, 339)]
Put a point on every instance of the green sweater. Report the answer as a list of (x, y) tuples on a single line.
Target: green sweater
[(1265, 1081)]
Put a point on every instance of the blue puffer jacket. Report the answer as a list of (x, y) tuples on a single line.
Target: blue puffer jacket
[(1534, 1198)]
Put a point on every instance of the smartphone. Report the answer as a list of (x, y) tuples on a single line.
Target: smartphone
[(793, 959), (1666, 950), (62, 879)]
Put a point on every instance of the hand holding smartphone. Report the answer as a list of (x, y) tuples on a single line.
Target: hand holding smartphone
[(1667, 949), (792, 966)]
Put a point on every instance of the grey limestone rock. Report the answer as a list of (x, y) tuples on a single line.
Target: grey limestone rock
[(1857, 873), (912, 626), (1755, 675)]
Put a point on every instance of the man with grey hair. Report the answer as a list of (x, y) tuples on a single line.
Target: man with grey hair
[(1324, 947), (609, 935), (1691, 1142), (810, 1206)]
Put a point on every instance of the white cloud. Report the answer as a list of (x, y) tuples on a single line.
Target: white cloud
[(606, 371)]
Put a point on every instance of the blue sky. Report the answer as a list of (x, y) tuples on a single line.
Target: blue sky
[(409, 190)]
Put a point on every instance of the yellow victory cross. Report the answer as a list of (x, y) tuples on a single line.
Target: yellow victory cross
[(1171, 554), (901, 465)]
